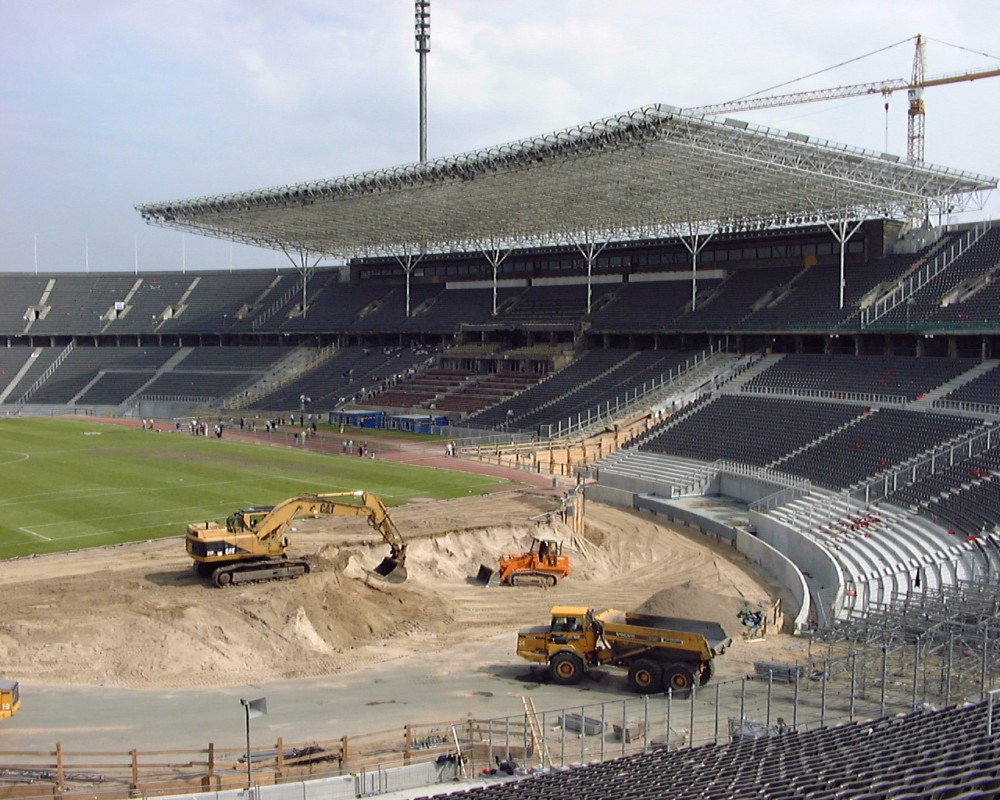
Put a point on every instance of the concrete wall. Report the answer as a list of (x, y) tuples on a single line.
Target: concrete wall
[(632, 484), (343, 787), (774, 563), (609, 495), (747, 489), (659, 506), (827, 579)]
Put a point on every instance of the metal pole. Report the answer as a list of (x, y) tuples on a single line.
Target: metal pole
[(822, 700), (246, 708), (885, 677), (718, 697), (670, 695), (691, 699), (422, 11), (854, 665)]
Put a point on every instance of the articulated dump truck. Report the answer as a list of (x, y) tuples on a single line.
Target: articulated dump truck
[(660, 653)]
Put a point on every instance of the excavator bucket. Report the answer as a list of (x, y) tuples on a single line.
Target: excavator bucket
[(488, 576), (391, 570)]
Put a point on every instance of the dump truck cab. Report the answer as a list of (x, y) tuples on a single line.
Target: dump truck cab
[(569, 644)]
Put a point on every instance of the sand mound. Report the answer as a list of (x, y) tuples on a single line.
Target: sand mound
[(698, 602)]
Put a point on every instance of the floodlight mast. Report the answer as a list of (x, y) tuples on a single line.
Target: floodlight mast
[(422, 10)]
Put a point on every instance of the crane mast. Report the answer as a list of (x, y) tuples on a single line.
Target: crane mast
[(916, 115)]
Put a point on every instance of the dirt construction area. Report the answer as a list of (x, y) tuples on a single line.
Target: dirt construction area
[(138, 616)]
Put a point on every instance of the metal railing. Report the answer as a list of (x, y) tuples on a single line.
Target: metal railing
[(46, 375), (966, 406), (869, 398), (275, 306)]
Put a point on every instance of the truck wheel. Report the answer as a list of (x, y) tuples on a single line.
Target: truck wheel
[(645, 676), (707, 672), (566, 668), (677, 677)]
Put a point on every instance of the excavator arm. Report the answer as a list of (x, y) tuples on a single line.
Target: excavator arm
[(381, 521)]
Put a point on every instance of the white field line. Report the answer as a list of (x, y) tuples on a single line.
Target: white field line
[(34, 533), (23, 457)]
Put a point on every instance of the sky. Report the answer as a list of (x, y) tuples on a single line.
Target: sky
[(105, 104)]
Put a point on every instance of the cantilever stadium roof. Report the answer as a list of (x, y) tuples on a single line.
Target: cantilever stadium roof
[(650, 172)]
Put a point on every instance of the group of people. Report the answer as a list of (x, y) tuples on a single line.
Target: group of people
[(348, 447)]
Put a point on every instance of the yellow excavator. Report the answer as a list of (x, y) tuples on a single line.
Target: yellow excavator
[(250, 547)]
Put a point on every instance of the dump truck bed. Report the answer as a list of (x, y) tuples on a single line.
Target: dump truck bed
[(713, 632)]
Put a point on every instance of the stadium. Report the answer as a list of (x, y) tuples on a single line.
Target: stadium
[(783, 351)]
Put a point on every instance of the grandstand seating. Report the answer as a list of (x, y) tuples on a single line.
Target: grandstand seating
[(84, 364), (872, 760), (925, 303), (898, 376), (349, 372), (873, 444), (19, 292), (529, 404), (647, 306), (984, 389), (757, 431), (734, 298), (551, 304)]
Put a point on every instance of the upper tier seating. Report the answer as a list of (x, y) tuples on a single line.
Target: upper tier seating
[(926, 301), (897, 376), (646, 306), (735, 297), (753, 430), (566, 304)]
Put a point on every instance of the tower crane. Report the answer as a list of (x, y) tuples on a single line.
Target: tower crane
[(914, 87)]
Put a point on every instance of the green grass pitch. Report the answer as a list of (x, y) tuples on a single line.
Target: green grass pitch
[(71, 484)]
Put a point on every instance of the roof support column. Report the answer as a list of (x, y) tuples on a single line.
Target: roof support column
[(590, 251), (841, 234), (695, 241), (408, 262), (300, 260), (495, 255)]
